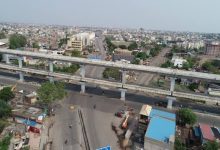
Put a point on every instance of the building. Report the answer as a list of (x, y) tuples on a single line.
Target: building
[(178, 62), (160, 133), (212, 49), (122, 54), (80, 40), (206, 133)]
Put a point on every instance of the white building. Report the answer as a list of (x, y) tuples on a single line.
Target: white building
[(178, 61), (78, 41)]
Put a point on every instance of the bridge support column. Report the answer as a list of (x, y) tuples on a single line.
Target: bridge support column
[(82, 71), (123, 91), (123, 77), (172, 85), (51, 70), (83, 87), (21, 75), (170, 102), (7, 60)]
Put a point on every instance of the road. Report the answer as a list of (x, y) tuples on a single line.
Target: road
[(98, 121), (145, 78)]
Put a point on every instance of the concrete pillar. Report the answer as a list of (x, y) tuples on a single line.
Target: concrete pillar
[(7, 60), (83, 87), (170, 102), (51, 66), (50, 63), (20, 65), (172, 85), (123, 77), (122, 93), (82, 71)]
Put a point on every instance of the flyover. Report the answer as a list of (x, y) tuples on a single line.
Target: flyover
[(122, 86)]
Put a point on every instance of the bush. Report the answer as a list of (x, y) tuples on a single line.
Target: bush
[(187, 116), (5, 109), (6, 94), (17, 41), (112, 73), (4, 144)]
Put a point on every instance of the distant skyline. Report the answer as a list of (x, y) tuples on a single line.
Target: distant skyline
[(172, 15)]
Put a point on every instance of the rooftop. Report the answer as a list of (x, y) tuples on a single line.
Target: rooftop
[(206, 132), (162, 114), (161, 129), (145, 110)]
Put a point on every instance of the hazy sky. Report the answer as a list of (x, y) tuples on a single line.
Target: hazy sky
[(179, 15)]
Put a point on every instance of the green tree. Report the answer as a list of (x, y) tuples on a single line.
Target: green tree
[(136, 61), (50, 92), (111, 47), (76, 53), (187, 116), (142, 55), (186, 66), (6, 94), (193, 86), (17, 41), (2, 35), (167, 64), (122, 46), (133, 46), (211, 146), (5, 109), (179, 145), (112, 73), (71, 69), (35, 45), (5, 142)]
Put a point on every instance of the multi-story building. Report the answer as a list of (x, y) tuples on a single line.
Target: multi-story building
[(212, 49), (78, 41)]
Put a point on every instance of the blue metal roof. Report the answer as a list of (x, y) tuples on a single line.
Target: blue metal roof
[(161, 129), (163, 114), (105, 148)]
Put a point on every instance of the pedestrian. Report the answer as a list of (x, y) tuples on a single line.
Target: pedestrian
[(66, 141), (94, 106)]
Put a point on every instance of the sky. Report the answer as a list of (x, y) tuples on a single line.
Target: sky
[(172, 15)]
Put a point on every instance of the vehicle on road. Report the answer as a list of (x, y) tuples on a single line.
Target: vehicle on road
[(161, 104)]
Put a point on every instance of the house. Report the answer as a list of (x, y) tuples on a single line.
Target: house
[(206, 133), (161, 128), (31, 98), (122, 54), (160, 134), (178, 61)]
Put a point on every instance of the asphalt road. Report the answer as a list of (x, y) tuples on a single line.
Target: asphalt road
[(145, 78), (98, 121)]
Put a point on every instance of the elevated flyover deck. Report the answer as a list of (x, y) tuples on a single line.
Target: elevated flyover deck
[(122, 66), (77, 79)]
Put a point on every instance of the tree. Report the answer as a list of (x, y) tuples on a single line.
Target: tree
[(142, 55), (186, 65), (17, 41), (133, 46), (71, 69), (35, 45), (5, 109), (111, 47), (76, 53), (2, 35), (5, 142), (6, 94), (122, 46), (178, 145), (112, 73), (167, 64), (211, 146), (186, 116), (50, 92), (193, 86)]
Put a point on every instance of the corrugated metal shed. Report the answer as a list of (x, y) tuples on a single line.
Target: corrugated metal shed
[(206, 132), (163, 114), (161, 129)]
